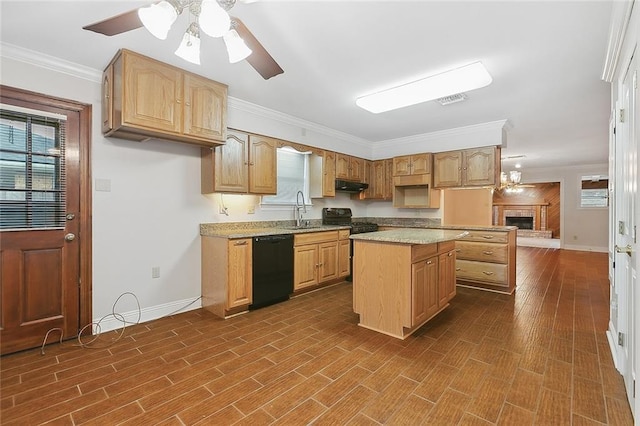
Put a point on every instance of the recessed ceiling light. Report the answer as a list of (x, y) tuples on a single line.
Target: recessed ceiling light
[(518, 165), (463, 79)]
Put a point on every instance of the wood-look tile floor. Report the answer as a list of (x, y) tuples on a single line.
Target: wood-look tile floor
[(537, 357)]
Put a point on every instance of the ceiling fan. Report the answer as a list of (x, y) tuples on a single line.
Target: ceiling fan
[(510, 183), (211, 16)]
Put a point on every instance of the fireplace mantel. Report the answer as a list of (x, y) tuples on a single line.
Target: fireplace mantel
[(535, 210), (521, 204)]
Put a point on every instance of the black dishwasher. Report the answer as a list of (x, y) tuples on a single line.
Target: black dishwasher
[(272, 269)]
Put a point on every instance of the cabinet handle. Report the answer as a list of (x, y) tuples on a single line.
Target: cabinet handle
[(429, 262), (458, 269), (251, 163), (450, 254), (487, 273), (487, 252), (488, 237), (178, 101), (240, 243)]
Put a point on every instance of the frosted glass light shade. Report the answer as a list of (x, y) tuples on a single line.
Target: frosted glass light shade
[(158, 18), (213, 19), (189, 48), (458, 80), (236, 48)]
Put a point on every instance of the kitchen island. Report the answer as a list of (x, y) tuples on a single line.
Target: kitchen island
[(402, 278)]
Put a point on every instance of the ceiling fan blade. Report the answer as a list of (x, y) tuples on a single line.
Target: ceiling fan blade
[(116, 24), (259, 59)]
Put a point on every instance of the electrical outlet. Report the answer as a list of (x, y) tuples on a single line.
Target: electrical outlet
[(251, 209), (155, 272)]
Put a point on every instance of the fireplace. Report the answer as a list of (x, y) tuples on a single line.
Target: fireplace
[(519, 221)]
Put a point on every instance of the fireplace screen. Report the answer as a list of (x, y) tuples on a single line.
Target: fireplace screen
[(520, 222)]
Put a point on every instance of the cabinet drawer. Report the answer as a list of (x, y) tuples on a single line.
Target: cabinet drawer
[(484, 252), (421, 252), (315, 237), (343, 234), (487, 236), (480, 271)]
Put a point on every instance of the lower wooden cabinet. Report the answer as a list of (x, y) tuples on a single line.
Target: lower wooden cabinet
[(320, 258), (227, 269), (424, 290)]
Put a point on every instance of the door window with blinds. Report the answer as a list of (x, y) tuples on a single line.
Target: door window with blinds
[(32, 172)]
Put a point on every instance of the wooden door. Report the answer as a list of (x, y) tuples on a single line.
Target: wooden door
[(447, 169), (344, 253), (402, 165), (479, 167), (446, 277), (205, 108), (424, 290), (240, 270), (45, 222), (107, 99), (262, 165), (231, 164), (388, 180), (329, 174), (377, 184), (305, 266), (421, 164), (342, 166), (327, 261), (357, 169), (143, 80)]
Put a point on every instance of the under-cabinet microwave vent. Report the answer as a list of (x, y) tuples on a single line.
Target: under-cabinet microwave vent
[(452, 99)]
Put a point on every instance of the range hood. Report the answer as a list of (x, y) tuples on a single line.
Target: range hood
[(348, 186)]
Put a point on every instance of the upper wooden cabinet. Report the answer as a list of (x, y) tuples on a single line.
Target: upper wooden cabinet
[(350, 168), (469, 167), (322, 175), (380, 180), (144, 98), (245, 164), (417, 164)]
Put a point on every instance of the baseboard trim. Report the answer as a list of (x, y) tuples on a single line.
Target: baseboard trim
[(585, 248), (110, 323), (612, 344)]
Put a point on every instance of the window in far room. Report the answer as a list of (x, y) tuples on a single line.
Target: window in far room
[(293, 176), (594, 191)]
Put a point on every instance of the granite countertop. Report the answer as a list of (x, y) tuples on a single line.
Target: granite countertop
[(237, 232), (411, 236), (457, 227)]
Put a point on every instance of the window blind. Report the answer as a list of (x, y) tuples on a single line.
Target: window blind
[(32, 169)]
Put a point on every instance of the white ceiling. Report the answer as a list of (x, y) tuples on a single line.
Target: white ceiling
[(546, 59)]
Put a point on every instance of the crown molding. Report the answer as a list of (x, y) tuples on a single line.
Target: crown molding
[(281, 117), (620, 17), (49, 62)]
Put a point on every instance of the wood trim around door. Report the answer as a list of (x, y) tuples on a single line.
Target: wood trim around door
[(25, 98)]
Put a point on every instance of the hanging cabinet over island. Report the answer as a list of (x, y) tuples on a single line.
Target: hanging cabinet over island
[(403, 278)]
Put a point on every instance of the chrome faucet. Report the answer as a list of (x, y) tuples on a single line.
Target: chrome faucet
[(297, 214)]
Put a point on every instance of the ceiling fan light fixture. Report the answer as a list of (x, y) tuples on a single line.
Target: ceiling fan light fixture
[(457, 80), (236, 47), (158, 18), (213, 19), (189, 48)]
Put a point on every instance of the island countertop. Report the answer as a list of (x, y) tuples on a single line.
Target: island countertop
[(411, 236)]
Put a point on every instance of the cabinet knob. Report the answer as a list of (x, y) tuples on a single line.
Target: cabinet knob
[(458, 250), (429, 262), (488, 253), (178, 101), (450, 254)]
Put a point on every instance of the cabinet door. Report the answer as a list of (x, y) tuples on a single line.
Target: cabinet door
[(402, 165), (327, 261), (231, 164), (357, 169), (205, 108), (305, 269), (262, 165), (378, 181), (388, 180), (145, 81), (424, 290), (447, 169), (446, 277), (107, 99), (239, 282), (342, 166), (479, 166), (344, 253), (329, 174), (421, 164)]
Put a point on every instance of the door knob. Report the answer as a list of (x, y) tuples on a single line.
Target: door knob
[(626, 249), (70, 237)]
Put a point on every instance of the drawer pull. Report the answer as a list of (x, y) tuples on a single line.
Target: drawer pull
[(487, 272), (488, 253), (488, 237), (458, 250), (458, 269), (240, 243)]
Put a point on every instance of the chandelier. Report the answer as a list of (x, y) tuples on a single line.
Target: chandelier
[(211, 18), (511, 182)]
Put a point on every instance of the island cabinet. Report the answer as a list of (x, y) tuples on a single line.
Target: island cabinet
[(226, 275), (246, 163), (469, 167), (350, 168), (319, 258), (397, 287), (144, 98), (487, 260)]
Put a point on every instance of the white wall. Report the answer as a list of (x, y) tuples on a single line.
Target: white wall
[(580, 228)]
